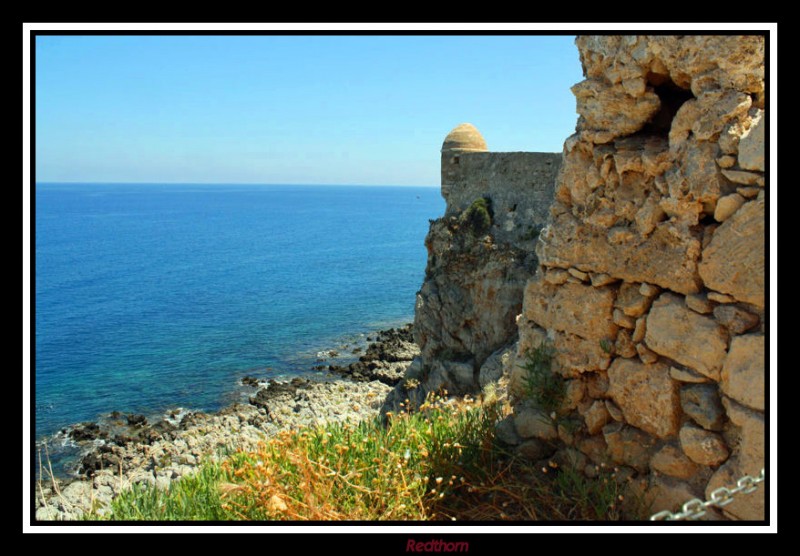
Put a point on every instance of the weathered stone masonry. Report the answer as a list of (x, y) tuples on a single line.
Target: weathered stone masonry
[(646, 274), (651, 284)]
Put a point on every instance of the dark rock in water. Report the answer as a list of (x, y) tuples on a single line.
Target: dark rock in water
[(115, 415), (103, 458), (86, 431), (121, 439), (163, 428), (385, 358), (136, 419), (276, 389), (261, 399), (148, 436), (356, 350), (191, 419), (250, 381), (319, 367)]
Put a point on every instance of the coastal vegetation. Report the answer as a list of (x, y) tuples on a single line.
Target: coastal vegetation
[(546, 388), (440, 463), (478, 217)]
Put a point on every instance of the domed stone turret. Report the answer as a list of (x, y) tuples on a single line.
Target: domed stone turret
[(464, 138)]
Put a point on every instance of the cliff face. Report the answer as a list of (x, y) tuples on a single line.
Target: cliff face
[(642, 272), (480, 256), (477, 269)]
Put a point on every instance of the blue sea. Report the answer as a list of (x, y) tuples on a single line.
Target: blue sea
[(152, 296)]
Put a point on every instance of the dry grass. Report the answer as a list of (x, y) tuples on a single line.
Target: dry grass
[(363, 471), (441, 463)]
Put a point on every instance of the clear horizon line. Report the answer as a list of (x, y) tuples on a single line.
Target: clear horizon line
[(81, 182)]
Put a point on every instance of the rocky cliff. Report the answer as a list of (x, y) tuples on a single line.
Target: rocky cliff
[(640, 288), (480, 256)]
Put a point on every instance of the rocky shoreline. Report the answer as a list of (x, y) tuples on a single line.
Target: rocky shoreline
[(123, 450)]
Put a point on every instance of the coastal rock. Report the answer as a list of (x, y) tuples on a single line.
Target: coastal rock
[(48, 513), (276, 389), (250, 381), (160, 453), (496, 365), (136, 419), (85, 431), (470, 301)]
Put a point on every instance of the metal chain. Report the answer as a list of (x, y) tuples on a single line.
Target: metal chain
[(696, 508)]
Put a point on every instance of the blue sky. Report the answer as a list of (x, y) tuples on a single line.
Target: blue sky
[(291, 109)]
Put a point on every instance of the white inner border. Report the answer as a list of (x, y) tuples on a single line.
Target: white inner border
[(428, 531)]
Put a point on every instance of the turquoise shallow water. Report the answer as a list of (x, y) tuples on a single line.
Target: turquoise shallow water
[(150, 297)]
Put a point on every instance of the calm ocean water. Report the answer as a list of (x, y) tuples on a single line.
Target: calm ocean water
[(150, 297)]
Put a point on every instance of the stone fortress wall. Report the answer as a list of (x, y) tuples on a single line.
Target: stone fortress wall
[(637, 256)]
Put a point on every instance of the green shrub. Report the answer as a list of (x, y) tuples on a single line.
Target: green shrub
[(478, 217), (546, 388)]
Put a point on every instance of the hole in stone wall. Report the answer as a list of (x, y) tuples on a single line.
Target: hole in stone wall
[(671, 96), (707, 220)]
